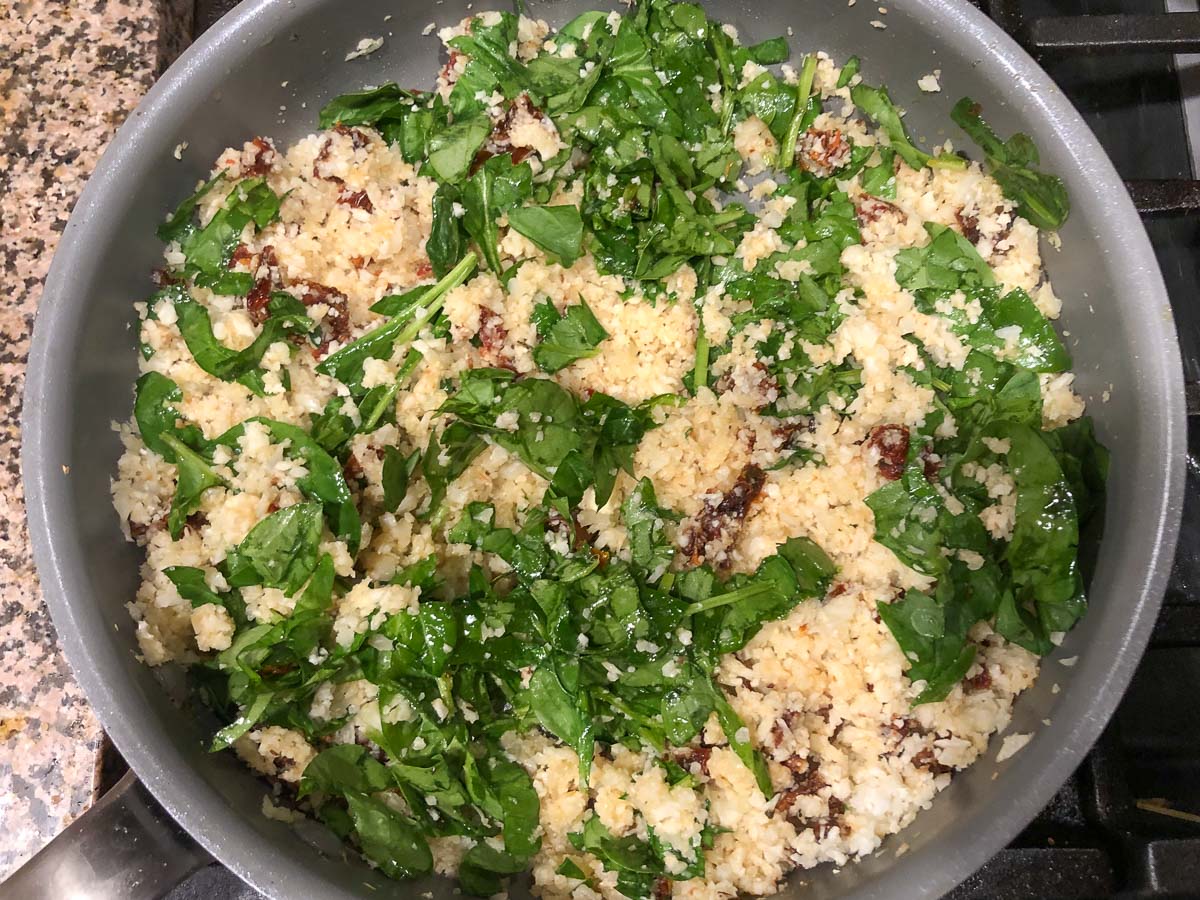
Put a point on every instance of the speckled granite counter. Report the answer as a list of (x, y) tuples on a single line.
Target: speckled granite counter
[(70, 73)]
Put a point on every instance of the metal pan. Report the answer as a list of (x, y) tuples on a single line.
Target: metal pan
[(266, 69)]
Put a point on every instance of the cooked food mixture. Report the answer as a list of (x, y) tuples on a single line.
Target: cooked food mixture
[(636, 460)]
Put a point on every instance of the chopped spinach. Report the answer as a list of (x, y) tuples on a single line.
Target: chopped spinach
[(876, 103), (498, 187), (556, 229), (241, 366), (207, 250), (409, 314), (1041, 198), (552, 629), (281, 551), (566, 338), (195, 475)]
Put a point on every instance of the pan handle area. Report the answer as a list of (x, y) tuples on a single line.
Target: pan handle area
[(124, 848)]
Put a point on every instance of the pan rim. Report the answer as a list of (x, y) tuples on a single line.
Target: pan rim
[(186, 796)]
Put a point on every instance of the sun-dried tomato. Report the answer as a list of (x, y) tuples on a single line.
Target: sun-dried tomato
[(449, 74), (358, 139), (823, 150), (716, 518), (931, 464), (257, 300), (356, 200), (686, 757), (241, 254), (979, 682), (891, 443), (500, 139), (925, 759), (264, 158), (870, 209), (336, 322), (969, 225), (321, 157), (492, 335)]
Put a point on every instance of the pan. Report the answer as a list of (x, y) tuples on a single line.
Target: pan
[(265, 69)]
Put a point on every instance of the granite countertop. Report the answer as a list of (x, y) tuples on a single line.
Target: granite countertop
[(74, 72)]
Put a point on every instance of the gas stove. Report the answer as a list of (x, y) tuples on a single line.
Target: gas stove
[(1127, 823)]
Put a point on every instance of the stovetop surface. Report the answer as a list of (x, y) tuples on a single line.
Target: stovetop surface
[(1109, 831)]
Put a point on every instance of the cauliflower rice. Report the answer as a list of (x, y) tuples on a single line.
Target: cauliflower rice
[(822, 691)]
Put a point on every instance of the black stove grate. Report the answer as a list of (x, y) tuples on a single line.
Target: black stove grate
[(1114, 829)]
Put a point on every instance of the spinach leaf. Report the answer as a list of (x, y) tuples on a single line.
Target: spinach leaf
[(620, 428), (880, 180), (563, 714), (179, 223), (739, 742), (482, 867), (244, 722), (344, 767), (1084, 461), (518, 804), (524, 551), (948, 262), (570, 445), (406, 322), (804, 111), (725, 620), (309, 622), (156, 416), (332, 428), (218, 360), (192, 584), (194, 476), (378, 405), (849, 70), (1040, 198), (446, 458), (452, 149), (489, 66), (549, 424), (1038, 347), (769, 52), (445, 245), (558, 230), (496, 188), (369, 107), (941, 659), (637, 866), (389, 839), (325, 480), (1043, 550), (574, 335), (769, 99), (208, 250), (644, 520), (906, 521), (876, 103), (280, 551), (397, 469)]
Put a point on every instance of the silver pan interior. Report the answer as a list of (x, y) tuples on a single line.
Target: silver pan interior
[(231, 85)]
